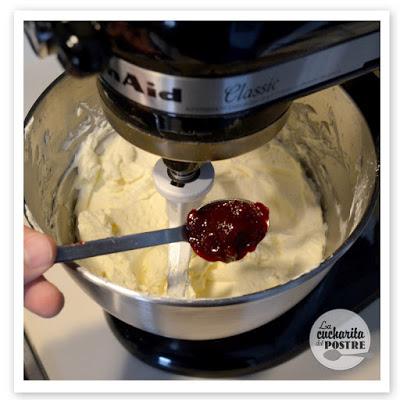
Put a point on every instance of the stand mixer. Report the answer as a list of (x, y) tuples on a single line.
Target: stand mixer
[(192, 93)]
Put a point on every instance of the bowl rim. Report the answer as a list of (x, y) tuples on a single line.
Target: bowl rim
[(223, 301)]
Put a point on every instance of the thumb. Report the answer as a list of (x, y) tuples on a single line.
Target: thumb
[(39, 254)]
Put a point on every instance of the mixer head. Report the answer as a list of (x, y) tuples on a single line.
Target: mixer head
[(192, 92)]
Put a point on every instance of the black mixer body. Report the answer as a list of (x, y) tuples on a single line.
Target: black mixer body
[(199, 91)]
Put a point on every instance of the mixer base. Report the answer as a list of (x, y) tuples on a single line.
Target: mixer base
[(353, 283)]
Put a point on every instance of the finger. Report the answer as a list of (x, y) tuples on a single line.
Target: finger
[(43, 298), (39, 253)]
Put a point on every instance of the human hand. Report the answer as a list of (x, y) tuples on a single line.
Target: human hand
[(40, 296)]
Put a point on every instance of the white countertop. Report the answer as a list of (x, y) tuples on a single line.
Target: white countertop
[(78, 344)]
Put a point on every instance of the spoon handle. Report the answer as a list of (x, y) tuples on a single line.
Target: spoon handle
[(117, 244)]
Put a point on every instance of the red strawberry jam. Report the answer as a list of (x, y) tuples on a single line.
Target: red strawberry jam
[(227, 230)]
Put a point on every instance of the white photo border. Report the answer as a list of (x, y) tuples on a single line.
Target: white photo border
[(203, 386)]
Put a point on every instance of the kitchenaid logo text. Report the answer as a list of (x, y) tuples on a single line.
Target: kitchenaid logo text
[(237, 93), (242, 91), (149, 89)]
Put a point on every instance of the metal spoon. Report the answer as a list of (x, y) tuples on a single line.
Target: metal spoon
[(110, 245)]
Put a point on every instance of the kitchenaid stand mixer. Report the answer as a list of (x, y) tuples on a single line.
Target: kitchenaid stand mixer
[(192, 98), (194, 92)]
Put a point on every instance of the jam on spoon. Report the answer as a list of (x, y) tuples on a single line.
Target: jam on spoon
[(227, 230)]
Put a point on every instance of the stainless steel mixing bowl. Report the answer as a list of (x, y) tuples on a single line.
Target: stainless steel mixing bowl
[(327, 133)]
